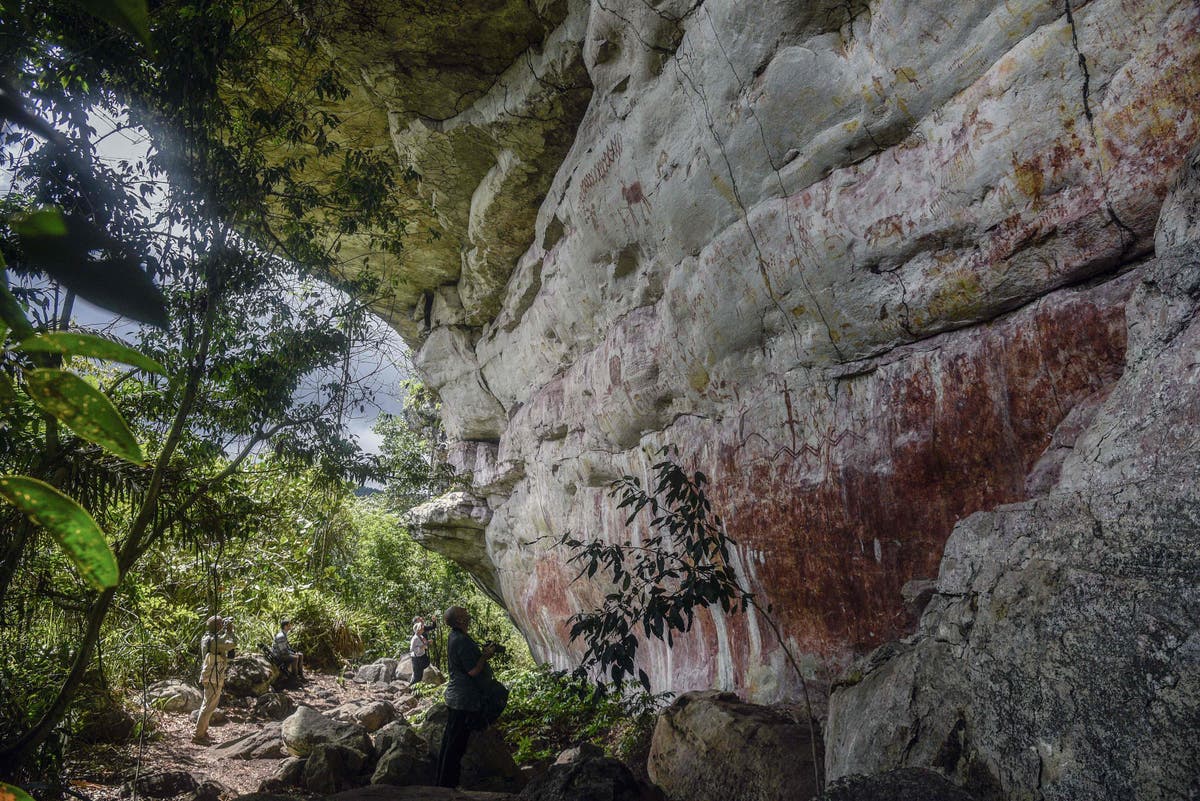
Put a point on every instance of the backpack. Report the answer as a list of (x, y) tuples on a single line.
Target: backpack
[(495, 699)]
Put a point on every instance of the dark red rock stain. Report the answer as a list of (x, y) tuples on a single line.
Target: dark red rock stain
[(960, 428)]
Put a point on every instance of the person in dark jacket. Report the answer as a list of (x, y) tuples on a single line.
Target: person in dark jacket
[(468, 667), (286, 653)]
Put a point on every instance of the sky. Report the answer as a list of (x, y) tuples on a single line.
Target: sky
[(383, 368)]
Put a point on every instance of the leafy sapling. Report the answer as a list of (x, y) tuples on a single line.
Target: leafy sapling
[(659, 583)]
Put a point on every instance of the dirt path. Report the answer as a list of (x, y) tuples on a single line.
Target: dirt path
[(100, 772)]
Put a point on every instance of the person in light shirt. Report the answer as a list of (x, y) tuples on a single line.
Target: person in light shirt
[(418, 649), (216, 648)]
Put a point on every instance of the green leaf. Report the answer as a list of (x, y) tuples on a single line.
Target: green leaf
[(83, 409), (90, 346), (62, 246), (43, 222), (11, 312), (10, 793), (129, 15), (70, 525)]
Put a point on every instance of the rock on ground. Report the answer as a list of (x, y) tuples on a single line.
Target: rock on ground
[(488, 763), (381, 671), (384, 737), (274, 706), (209, 790), (711, 746), (266, 743), (433, 677), (288, 774), (388, 793), (165, 785), (218, 718), (306, 728), (585, 774), (372, 715), (249, 676), (405, 760), (907, 784), (173, 695), (331, 767)]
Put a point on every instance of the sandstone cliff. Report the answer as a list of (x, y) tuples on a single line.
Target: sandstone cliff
[(869, 264)]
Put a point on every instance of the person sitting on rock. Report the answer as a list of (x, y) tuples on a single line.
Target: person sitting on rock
[(286, 654), (418, 649), (216, 647), (467, 664)]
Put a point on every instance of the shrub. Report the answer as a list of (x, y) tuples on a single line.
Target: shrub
[(550, 711)]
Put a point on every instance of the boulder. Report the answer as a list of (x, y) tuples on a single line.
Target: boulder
[(249, 676), (907, 784), (586, 774), (331, 767), (164, 785), (381, 671), (306, 728), (391, 733), (274, 706), (217, 718), (383, 792), (107, 721), (371, 716), (289, 774), (173, 695), (488, 763), (433, 677), (375, 715), (406, 760), (711, 746), (265, 743), (210, 790)]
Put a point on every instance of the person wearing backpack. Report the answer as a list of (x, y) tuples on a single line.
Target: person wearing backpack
[(286, 653), (473, 696), (216, 649)]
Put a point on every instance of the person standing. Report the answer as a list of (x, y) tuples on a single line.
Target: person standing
[(284, 650), (468, 667), (216, 646), (418, 649)]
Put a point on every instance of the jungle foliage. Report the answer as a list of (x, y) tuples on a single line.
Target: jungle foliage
[(217, 240)]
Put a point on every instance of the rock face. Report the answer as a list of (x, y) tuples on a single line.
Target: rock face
[(883, 269), (865, 264), (1060, 657), (709, 746)]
